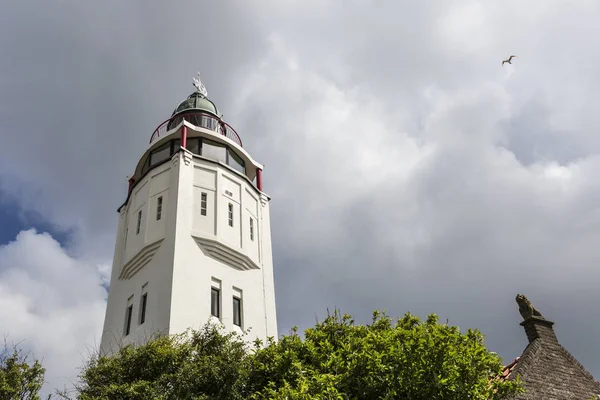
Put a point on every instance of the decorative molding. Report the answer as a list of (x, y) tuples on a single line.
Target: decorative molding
[(225, 254), (263, 199), (187, 156), (140, 260), (175, 159)]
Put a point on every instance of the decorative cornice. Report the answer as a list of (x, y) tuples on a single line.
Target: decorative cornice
[(140, 260), (225, 254), (187, 156), (263, 199), (175, 159)]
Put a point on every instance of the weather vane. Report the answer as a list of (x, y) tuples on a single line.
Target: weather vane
[(200, 86)]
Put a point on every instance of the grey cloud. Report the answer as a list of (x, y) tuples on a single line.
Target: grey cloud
[(84, 86), (409, 170)]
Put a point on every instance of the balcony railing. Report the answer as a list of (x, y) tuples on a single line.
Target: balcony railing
[(199, 119)]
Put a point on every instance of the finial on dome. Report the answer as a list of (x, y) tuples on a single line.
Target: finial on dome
[(200, 88)]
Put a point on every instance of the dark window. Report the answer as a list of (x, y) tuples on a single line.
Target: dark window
[(237, 311), (159, 208), (193, 145), (235, 161), (203, 203), (128, 315), (160, 154), (139, 222), (251, 228), (146, 166), (202, 120), (230, 214), (214, 151), (143, 308), (214, 302)]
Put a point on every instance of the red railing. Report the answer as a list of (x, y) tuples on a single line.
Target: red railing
[(199, 119)]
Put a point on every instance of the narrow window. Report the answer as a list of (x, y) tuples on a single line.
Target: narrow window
[(143, 302), (237, 311), (159, 208), (230, 214), (251, 229), (214, 302), (139, 222), (128, 315), (203, 204)]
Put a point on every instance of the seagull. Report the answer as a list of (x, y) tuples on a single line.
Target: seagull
[(508, 60)]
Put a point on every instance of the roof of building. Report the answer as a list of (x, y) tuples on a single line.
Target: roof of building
[(508, 369), (546, 368), (197, 102)]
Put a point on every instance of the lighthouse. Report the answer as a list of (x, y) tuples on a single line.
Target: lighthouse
[(193, 240)]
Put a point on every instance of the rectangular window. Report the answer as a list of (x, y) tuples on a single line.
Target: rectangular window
[(214, 151), (235, 161), (193, 145), (159, 208), (251, 229), (139, 222), (143, 302), (230, 214), (203, 204), (237, 311), (214, 302), (128, 316), (160, 154)]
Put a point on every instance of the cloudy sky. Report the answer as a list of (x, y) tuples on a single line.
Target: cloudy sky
[(409, 170)]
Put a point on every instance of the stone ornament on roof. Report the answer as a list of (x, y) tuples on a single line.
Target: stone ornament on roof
[(527, 309), (200, 88)]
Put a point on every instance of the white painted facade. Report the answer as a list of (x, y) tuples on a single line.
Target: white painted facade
[(175, 258)]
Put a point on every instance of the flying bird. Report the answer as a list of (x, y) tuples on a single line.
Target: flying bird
[(508, 60)]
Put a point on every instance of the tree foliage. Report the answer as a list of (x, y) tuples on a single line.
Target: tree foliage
[(20, 378), (336, 359)]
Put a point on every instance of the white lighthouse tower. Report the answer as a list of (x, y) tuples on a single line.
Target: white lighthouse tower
[(194, 238)]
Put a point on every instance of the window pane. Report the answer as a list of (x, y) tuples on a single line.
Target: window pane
[(192, 145), (203, 204), (159, 208), (128, 320), (214, 302), (139, 222), (146, 165), (236, 162), (237, 311), (176, 145), (214, 151), (160, 154), (174, 122), (143, 308), (209, 122)]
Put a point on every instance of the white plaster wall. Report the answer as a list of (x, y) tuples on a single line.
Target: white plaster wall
[(205, 181), (194, 270), (179, 275), (159, 188), (157, 274), (250, 210), (266, 252)]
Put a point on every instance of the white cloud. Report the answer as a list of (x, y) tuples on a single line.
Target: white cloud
[(51, 303), (436, 216), (407, 170)]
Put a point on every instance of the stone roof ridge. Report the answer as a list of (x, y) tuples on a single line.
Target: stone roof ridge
[(527, 358), (585, 372)]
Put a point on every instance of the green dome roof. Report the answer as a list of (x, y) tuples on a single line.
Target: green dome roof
[(197, 101)]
